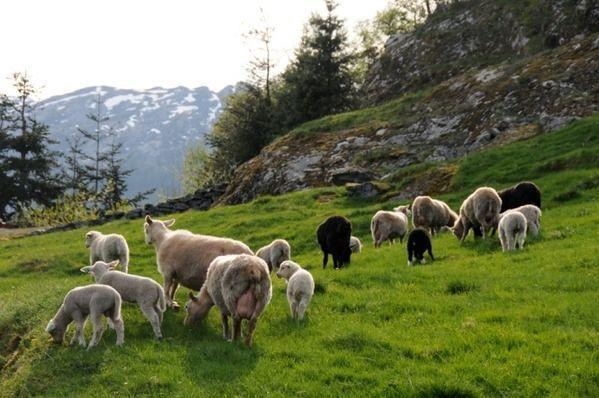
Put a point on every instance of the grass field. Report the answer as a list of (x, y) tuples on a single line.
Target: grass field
[(476, 322)]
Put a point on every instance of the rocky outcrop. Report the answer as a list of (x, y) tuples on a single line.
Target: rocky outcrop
[(476, 34), (481, 107)]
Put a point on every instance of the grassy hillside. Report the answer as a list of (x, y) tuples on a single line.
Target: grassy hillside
[(477, 322)]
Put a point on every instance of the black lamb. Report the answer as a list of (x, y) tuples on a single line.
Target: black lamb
[(333, 237), (418, 243), (523, 193)]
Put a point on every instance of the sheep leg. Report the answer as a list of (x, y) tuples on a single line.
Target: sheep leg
[(169, 292), (225, 323), (174, 287), (79, 325), (430, 252), (98, 327), (293, 307), (236, 327), (301, 309), (150, 314), (159, 312), (119, 328), (251, 328), (325, 259)]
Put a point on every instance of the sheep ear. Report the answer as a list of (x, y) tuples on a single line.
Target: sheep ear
[(113, 264), (86, 270), (149, 219), (170, 222), (192, 297)]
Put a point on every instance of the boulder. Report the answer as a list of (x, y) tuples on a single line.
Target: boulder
[(366, 190)]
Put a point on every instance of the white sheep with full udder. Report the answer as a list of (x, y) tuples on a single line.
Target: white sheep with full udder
[(300, 287), (479, 212), (146, 292), (389, 225), (240, 287), (94, 301), (533, 217), (275, 253), (512, 230), (355, 244), (183, 258), (432, 214), (107, 248)]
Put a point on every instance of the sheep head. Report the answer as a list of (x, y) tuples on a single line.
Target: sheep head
[(154, 227), (197, 308), (99, 268), (90, 237), (287, 269), (405, 209), (56, 331)]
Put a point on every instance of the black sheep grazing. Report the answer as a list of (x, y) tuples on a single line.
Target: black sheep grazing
[(523, 193), (418, 243), (333, 237)]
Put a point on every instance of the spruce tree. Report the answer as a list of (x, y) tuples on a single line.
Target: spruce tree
[(28, 161), (318, 82)]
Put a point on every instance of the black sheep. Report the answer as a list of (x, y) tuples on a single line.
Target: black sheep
[(523, 193), (418, 243), (333, 237)]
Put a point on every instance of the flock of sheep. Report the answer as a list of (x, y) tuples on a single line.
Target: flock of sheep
[(229, 276)]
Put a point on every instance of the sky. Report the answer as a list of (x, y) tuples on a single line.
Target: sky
[(64, 45)]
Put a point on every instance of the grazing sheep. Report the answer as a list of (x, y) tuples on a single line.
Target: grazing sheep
[(183, 258), (388, 225), (275, 253), (333, 236), (134, 289), (300, 287), (432, 214), (479, 212), (240, 287), (533, 217), (418, 243), (107, 248), (355, 245), (512, 230), (523, 193), (93, 301)]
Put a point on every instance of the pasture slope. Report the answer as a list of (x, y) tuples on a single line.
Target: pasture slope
[(477, 322)]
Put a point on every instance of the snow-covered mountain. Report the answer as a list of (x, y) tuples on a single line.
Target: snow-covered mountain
[(155, 125)]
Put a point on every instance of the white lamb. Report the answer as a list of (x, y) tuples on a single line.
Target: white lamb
[(107, 248), (388, 225), (146, 292), (94, 301), (355, 244), (275, 253), (512, 230), (533, 217), (300, 287)]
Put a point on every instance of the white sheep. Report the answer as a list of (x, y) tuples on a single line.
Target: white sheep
[(107, 248), (479, 212), (355, 244), (94, 301), (512, 230), (388, 225), (134, 289), (239, 285), (183, 258), (275, 253), (300, 287), (432, 214), (533, 217)]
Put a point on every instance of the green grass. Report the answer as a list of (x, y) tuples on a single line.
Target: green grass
[(477, 322)]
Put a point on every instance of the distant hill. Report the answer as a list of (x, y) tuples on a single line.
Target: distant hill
[(155, 125)]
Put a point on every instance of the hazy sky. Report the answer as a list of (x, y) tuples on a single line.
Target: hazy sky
[(65, 45)]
